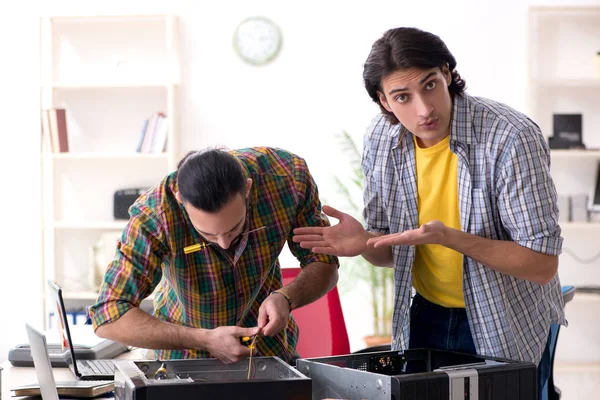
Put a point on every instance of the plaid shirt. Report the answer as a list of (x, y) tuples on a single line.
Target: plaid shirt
[(505, 193), (212, 287)]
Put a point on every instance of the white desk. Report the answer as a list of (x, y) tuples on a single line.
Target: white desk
[(16, 376)]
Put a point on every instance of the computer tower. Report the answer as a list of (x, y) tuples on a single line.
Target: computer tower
[(419, 374)]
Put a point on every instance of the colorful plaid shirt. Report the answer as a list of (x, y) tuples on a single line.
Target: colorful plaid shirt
[(505, 192), (212, 287)]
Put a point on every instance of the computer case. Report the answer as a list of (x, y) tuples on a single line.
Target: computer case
[(270, 378), (419, 374)]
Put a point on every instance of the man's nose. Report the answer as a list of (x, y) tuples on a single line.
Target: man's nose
[(224, 242), (424, 108)]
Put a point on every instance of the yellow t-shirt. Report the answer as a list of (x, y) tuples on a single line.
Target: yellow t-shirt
[(437, 270)]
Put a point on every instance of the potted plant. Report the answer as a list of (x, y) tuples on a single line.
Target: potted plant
[(380, 280)]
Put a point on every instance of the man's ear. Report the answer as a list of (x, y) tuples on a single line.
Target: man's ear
[(383, 101), (248, 186), (178, 197), (447, 74)]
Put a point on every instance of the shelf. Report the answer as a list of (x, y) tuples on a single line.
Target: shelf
[(580, 225), (86, 19), (106, 156), (564, 154), (90, 295), (80, 295), (567, 83), (80, 300), (108, 85), (91, 225), (561, 12)]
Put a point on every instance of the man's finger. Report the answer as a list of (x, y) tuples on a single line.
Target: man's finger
[(385, 238), (310, 245), (241, 332), (324, 250), (267, 329), (332, 212), (383, 243), (263, 318), (305, 238), (309, 230)]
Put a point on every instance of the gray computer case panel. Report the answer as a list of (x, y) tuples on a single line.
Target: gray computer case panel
[(422, 374), (270, 378)]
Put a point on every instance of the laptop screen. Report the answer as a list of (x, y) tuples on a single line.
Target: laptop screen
[(62, 324), (43, 369)]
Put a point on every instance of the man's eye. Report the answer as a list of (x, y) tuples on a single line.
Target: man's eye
[(430, 85)]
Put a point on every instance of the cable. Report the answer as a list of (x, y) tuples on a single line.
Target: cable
[(581, 260), (251, 347)]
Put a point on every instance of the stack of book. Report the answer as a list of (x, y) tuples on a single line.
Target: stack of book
[(54, 130), (153, 137)]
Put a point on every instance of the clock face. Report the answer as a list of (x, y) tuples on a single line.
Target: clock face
[(257, 40)]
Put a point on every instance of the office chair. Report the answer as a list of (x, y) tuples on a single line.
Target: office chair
[(322, 326), (549, 391)]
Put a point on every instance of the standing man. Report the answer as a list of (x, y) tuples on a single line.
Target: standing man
[(207, 238), (460, 202)]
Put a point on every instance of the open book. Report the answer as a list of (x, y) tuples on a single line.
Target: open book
[(71, 388)]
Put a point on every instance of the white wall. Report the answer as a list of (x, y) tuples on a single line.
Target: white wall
[(312, 91)]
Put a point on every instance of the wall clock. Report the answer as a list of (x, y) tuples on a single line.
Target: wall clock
[(257, 40)]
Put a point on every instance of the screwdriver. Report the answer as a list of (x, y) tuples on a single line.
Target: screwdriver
[(161, 373)]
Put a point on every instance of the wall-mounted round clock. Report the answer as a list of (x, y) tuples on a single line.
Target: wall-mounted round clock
[(257, 40)]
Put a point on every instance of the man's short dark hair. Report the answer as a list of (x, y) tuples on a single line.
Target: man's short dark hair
[(405, 48), (209, 179)]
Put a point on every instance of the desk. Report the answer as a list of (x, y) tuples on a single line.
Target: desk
[(16, 376)]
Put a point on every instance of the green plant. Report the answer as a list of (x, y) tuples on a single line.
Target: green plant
[(379, 280)]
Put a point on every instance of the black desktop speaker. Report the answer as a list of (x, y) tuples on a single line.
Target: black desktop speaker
[(123, 199)]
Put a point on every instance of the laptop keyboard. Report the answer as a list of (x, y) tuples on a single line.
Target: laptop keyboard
[(96, 367)]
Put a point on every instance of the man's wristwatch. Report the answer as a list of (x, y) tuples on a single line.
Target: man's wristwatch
[(284, 294)]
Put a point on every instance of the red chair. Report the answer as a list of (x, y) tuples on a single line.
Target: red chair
[(322, 327)]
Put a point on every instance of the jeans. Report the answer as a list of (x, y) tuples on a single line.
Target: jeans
[(435, 327)]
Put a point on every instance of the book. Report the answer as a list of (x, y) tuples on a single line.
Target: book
[(138, 148), (160, 134), (70, 388), (149, 135), (58, 130)]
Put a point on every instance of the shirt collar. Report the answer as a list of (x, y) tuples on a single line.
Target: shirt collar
[(461, 127)]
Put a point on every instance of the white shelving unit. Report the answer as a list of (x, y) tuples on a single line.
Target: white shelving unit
[(562, 76), (563, 42), (110, 73)]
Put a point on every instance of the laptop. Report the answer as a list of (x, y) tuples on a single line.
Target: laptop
[(83, 369), (48, 387)]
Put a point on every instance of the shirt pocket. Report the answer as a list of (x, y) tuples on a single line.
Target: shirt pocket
[(482, 220)]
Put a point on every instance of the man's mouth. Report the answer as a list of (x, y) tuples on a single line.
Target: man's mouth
[(429, 122)]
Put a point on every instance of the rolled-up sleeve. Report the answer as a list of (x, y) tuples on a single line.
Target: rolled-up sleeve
[(309, 214), (135, 270), (527, 196)]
